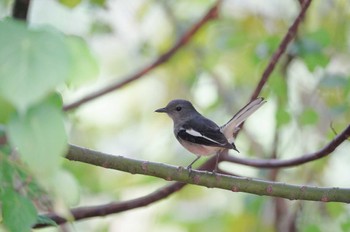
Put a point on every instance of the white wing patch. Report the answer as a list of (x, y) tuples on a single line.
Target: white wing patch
[(197, 134)]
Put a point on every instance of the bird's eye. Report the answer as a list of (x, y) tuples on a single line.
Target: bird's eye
[(178, 108)]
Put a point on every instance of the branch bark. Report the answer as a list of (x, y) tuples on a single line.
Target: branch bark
[(273, 163), (20, 9), (212, 13), (236, 184), (208, 179)]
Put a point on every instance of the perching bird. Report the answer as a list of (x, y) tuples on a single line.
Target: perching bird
[(202, 136)]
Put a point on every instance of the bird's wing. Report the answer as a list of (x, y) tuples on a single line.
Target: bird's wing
[(231, 126), (203, 131)]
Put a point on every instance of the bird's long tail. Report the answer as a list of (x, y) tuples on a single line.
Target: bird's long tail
[(233, 124)]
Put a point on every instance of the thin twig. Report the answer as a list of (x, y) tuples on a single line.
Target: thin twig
[(211, 14), (272, 163), (20, 9), (281, 49)]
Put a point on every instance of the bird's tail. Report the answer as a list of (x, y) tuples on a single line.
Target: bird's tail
[(232, 126)]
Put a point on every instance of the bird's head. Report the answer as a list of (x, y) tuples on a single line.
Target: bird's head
[(179, 110)]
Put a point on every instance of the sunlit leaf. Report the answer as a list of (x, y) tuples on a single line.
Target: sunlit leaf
[(282, 117), (98, 2), (6, 110), (32, 63), (311, 228), (346, 226), (309, 116), (70, 3), (335, 209), (84, 65), (311, 48), (70, 193), (40, 138), (100, 28)]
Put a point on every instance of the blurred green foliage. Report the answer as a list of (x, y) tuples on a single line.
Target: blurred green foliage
[(307, 91)]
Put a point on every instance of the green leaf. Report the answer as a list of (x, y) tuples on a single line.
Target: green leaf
[(6, 170), (278, 86), (70, 193), (84, 64), (40, 138), (282, 117), (308, 117), (100, 27), (6, 110), (311, 48), (19, 213), (311, 228), (43, 220), (98, 2), (335, 209), (32, 63), (70, 3), (346, 226)]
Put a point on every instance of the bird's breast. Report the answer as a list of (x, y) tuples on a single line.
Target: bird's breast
[(198, 149)]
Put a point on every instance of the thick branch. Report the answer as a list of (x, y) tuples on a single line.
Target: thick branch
[(273, 163), (211, 14), (133, 166), (208, 179), (117, 207), (281, 49), (20, 9)]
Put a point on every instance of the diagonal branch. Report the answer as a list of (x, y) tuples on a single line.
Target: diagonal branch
[(187, 36), (281, 49), (20, 9), (273, 163)]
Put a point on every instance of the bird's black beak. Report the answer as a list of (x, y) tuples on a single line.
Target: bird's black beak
[(161, 110)]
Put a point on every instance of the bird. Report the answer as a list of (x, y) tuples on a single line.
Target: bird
[(200, 135)]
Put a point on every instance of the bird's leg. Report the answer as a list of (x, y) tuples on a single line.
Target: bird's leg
[(189, 167), (217, 162)]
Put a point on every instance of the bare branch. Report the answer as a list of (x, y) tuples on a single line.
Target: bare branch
[(273, 163), (20, 9), (196, 177), (116, 207), (211, 14), (281, 49)]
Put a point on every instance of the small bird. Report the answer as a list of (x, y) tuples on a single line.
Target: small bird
[(202, 136)]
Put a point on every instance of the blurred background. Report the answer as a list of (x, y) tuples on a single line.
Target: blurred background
[(307, 95)]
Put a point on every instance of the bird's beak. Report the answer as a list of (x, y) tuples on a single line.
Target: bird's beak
[(161, 110)]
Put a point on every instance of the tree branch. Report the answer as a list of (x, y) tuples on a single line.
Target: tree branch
[(208, 179), (117, 207), (281, 49), (187, 36), (20, 9), (111, 208), (273, 163), (202, 178)]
